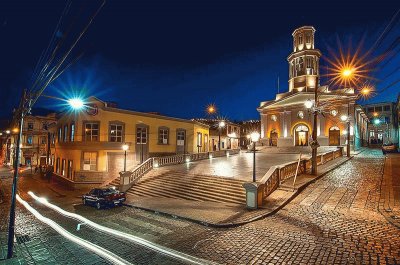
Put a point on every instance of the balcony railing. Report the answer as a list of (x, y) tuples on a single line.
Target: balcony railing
[(277, 174)]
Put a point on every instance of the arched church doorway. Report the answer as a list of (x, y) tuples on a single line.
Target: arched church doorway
[(334, 135), (273, 138), (301, 135)]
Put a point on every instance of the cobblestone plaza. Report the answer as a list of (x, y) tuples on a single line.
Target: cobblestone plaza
[(333, 221)]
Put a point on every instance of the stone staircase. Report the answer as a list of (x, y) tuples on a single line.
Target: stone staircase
[(164, 183)]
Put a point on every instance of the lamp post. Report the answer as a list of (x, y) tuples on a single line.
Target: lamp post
[(255, 136), (125, 147), (221, 125), (314, 145), (24, 108)]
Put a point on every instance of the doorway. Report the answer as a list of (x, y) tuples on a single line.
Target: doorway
[(301, 135), (273, 138), (180, 141), (142, 143), (334, 136)]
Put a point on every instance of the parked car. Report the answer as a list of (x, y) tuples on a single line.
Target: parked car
[(389, 148), (103, 197)]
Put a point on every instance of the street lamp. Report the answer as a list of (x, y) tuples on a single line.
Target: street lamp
[(125, 147), (8, 132), (76, 103), (255, 136), (221, 125), (309, 104)]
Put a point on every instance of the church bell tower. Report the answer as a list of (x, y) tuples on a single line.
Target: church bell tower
[(303, 61)]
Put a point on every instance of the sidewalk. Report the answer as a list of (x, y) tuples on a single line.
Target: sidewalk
[(389, 202), (230, 215)]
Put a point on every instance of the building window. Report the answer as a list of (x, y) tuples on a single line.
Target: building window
[(371, 109), (90, 161), (378, 109), (222, 144), (30, 126), (308, 38), (386, 108), (199, 139), (116, 131), (59, 135), (29, 140), (53, 138), (300, 39), (273, 117), (58, 165), (44, 125), (141, 135), (72, 132), (163, 135), (65, 139), (63, 167), (387, 119), (43, 139), (69, 171), (91, 131)]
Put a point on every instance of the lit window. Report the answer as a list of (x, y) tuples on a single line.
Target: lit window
[(92, 131), (65, 138), (72, 132), (90, 161), (29, 139), (63, 167), (199, 139), (116, 131), (58, 165), (43, 139), (69, 169), (308, 38), (59, 134)]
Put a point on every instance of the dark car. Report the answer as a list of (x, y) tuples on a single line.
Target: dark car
[(103, 197), (389, 148)]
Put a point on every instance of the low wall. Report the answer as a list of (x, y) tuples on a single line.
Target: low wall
[(74, 185)]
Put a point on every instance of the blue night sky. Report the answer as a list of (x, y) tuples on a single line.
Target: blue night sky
[(175, 57)]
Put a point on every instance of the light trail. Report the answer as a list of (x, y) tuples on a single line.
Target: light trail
[(102, 252), (164, 250)]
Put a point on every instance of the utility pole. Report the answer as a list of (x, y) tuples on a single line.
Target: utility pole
[(11, 226), (348, 130)]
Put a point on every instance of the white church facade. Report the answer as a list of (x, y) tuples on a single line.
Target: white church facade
[(285, 121)]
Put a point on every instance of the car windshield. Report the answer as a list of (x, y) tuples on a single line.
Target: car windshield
[(109, 191)]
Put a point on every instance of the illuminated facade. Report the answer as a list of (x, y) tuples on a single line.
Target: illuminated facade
[(285, 121), (87, 144)]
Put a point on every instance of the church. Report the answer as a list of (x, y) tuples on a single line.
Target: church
[(286, 121)]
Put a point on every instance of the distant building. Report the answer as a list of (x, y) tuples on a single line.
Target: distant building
[(383, 125), (229, 134), (285, 121), (246, 128), (86, 146), (35, 149)]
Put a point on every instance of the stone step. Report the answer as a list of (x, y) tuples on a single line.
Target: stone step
[(155, 192), (203, 194), (180, 192), (206, 185)]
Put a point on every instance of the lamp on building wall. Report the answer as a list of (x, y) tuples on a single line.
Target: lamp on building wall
[(125, 147), (309, 103), (255, 136)]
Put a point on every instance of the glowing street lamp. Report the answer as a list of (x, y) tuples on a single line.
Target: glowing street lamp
[(344, 117), (211, 109), (221, 125), (76, 103), (255, 136), (309, 104), (377, 121), (8, 131), (125, 147)]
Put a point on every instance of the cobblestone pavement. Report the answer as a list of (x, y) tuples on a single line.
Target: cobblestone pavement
[(333, 221)]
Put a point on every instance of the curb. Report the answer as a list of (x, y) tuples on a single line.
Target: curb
[(232, 225)]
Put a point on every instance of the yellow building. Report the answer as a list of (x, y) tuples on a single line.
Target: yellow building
[(87, 144)]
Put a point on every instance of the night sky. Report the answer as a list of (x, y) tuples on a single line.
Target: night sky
[(175, 57)]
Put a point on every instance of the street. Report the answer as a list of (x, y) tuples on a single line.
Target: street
[(334, 221)]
